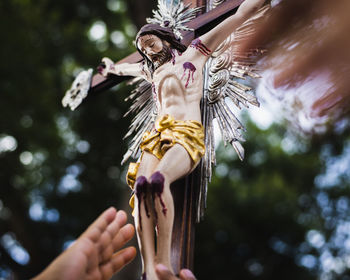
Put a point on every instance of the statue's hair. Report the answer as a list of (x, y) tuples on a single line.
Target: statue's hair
[(163, 33)]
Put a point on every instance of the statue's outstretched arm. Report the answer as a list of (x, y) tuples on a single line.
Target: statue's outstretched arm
[(217, 35), (123, 69)]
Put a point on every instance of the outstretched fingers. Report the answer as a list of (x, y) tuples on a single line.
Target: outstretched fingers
[(117, 262), (95, 230), (111, 231), (118, 241)]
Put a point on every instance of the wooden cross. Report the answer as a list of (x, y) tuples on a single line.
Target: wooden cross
[(184, 190)]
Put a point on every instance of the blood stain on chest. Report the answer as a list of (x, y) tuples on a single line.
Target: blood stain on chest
[(189, 69)]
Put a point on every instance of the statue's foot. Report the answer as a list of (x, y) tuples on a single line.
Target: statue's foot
[(141, 189), (157, 185)]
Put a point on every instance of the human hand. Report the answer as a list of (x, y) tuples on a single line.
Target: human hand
[(93, 255), (164, 273), (106, 66)]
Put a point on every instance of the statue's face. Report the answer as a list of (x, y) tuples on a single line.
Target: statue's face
[(155, 49), (150, 44)]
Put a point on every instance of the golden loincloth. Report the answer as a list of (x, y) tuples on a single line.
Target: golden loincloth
[(166, 133)]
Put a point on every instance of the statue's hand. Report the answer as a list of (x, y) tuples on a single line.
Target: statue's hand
[(106, 67)]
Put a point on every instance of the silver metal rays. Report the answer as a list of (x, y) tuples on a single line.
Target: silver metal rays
[(173, 15), (146, 111), (224, 77)]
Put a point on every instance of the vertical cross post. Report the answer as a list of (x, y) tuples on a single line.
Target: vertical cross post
[(184, 193)]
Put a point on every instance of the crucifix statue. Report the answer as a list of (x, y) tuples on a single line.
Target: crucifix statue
[(176, 101)]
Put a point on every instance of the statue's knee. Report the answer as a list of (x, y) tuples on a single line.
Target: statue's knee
[(141, 186), (157, 182)]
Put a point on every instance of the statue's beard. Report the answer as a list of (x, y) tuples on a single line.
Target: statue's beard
[(162, 57)]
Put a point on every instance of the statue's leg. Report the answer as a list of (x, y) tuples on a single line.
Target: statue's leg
[(175, 164), (144, 215)]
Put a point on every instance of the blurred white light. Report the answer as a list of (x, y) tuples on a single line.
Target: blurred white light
[(40, 157), (327, 261), (62, 123), (130, 30), (16, 251), (288, 145), (26, 158), (83, 146), (309, 261), (255, 268), (261, 117), (20, 255), (52, 215), (74, 169), (69, 183), (118, 39), (221, 170), (36, 211), (315, 238), (116, 6), (7, 143), (336, 168), (97, 31)]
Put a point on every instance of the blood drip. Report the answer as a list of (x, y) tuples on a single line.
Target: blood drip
[(157, 183), (190, 68), (141, 187)]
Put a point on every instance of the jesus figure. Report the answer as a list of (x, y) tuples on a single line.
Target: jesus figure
[(176, 144)]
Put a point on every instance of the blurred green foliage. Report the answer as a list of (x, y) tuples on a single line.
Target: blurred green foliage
[(282, 213), (278, 214)]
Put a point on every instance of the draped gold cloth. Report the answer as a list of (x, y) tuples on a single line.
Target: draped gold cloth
[(166, 133)]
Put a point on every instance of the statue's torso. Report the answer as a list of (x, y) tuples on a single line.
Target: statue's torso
[(178, 86)]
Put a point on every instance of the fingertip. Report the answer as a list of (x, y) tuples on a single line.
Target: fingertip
[(132, 252), (126, 256), (121, 215), (161, 267), (162, 271), (127, 232), (186, 274), (112, 209), (110, 213), (122, 212), (130, 228)]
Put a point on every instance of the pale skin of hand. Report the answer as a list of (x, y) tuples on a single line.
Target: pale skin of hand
[(164, 273), (94, 255)]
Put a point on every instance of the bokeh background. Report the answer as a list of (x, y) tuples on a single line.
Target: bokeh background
[(282, 213)]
